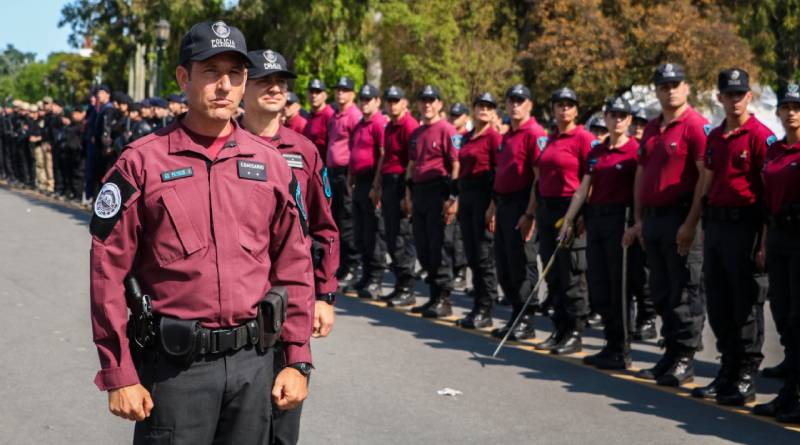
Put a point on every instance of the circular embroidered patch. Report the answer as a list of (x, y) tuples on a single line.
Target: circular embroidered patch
[(108, 201)]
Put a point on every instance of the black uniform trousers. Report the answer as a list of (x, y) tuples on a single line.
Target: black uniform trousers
[(605, 226), (566, 281), (285, 423), (474, 199), (458, 250), (674, 279), (432, 237), (399, 240), (217, 399), (783, 269), (734, 311), (517, 271), (368, 229), (342, 209)]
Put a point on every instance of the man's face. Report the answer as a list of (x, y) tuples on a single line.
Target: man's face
[(135, 115), (369, 106), (161, 112), (77, 116), (397, 107), (735, 103), (147, 112), (518, 108), (266, 94), (344, 97), (56, 109), (175, 108), (123, 107), (429, 107), (672, 95), (458, 121), (317, 98), (291, 110), (214, 86), (103, 97), (789, 113)]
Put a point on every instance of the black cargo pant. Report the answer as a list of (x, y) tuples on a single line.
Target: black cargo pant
[(674, 279), (342, 209), (285, 424), (783, 269), (458, 250), (368, 229), (517, 272), (432, 237), (605, 225), (399, 240), (734, 311), (475, 197), (217, 399), (566, 281)]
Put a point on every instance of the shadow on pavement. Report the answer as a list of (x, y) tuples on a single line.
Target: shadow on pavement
[(695, 418), (78, 214)]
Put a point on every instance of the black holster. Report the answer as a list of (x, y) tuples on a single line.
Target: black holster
[(178, 339), (271, 316)]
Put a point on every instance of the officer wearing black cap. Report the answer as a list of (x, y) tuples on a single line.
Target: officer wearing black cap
[(735, 153), (639, 122), (459, 118), (319, 117), (140, 127), (432, 188), (161, 117), (780, 251), (95, 164), (597, 126), (669, 187), (388, 190), (175, 102), (340, 131), (293, 113), (476, 177)]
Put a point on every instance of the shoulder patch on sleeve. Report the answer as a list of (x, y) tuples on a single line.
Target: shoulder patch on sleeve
[(326, 183), (457, 140), (297, 193), (771, 140), (541, 141), (115, 193), (595, 143), (592, 164), (707, 129)]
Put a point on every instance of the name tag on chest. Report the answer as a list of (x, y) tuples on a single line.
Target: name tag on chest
[(294, 160), (177, 174), (255, 171)]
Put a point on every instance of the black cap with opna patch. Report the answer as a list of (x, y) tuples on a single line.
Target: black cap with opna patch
[(207, 39)]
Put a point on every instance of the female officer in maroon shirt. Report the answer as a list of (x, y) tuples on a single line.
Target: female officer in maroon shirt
[(607, 188), (781, 247), (561, 166), (475, 184)]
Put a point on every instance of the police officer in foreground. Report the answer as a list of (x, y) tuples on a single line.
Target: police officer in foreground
[(732, 221), (431, 198), (388, 191), (514, 203), (475, 178), (266, 95), (207, 218), (667, 203), (781, 249)]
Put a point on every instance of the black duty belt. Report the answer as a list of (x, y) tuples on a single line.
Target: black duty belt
[(432, 184), (730, 214), (480, 181), (665, 211), (221, 340), (366, 176), (505, 198), (785, 219), (605, 209), (555, 203)]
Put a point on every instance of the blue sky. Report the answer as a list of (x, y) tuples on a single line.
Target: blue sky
[(32, 26)]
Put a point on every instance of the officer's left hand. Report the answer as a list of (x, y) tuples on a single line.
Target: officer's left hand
[(323, 319), (684, 239), (290, 389), (449, 210), (375, 196), (525, 226)]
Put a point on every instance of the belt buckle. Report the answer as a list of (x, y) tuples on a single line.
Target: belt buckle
[(224, 340)]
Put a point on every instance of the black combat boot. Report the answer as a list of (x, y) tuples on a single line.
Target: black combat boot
[(742, 388), (723, 381), (434, 293), (787, 401), (441, 308), (594, 321), (681, 371), (775, 372), (592, 359), (524, 329), (661, 366), (401, 297), (571, 341), (460, 280), (371, 291), (645, 330), (346, 277), (479, 317), (559, 330)]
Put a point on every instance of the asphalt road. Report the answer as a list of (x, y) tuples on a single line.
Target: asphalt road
[(377, 376)]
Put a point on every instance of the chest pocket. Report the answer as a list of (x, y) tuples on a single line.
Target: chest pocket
[(176, 237), (255, 221)]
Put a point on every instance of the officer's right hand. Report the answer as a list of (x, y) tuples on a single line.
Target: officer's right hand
[(491, 221), (406, 206), (565, 233), (631, 235), (375, 196), (525, 226), (761, 259), (130, 402)]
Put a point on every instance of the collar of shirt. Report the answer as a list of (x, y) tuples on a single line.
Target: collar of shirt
[(567, 134), (784, 145), (744, 128), (352, 109), (689, 111), (528, 124), (180, 141), (282, 138)]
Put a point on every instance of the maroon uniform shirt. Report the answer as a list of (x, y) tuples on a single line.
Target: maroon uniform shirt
[(668, 158), (517, 155), (366, 142), (395, 146), (477, 154), (206, 238), (339, 133), (317, 129), (736, 159), (562, 162), (312, 176), (782, 176), (297, 123), (433, 149), (613, 172)]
